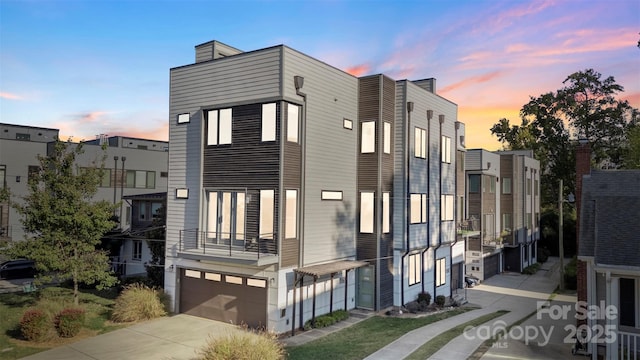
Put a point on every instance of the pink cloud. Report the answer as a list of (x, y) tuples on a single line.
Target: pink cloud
[(358, 70), (10, 96), (472, 81)]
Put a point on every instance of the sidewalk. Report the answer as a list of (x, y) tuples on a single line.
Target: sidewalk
[(514, 292)]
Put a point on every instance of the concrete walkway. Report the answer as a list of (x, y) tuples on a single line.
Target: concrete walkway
[(175, 337), (516, 293)]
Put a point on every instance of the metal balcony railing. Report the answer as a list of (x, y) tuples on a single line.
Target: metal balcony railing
[(468, 226), (629, 345), (212, 243)]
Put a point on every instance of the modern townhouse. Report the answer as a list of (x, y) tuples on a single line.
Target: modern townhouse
[(296, 188), (132, 167), (503, 189)]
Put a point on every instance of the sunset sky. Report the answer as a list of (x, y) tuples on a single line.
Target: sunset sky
[(102, 67)]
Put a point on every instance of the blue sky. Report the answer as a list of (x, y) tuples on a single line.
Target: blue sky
[(92, 67)]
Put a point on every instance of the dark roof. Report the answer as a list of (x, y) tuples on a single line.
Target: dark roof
[(610, 217), (150, 196), (330, 268)]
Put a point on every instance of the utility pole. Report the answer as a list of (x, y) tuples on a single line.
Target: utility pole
[(561, 237)]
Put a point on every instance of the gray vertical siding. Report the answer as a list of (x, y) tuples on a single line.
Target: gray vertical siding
[(330, 155)]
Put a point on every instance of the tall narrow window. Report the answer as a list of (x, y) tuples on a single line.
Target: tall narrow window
[(293, 118), (291, 216), (474, 184), (415, 269), (446, 149), (387, 138), (366, 212), (386, 218), (528, 186), (418, 203), (506, 185), (136, 250), (266, 214), (219, 127), (420, 143), (368, 144), (441, 272), (506, 222), (269, 122), (446, 207)]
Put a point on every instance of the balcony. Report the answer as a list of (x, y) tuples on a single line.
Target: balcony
[(628, 345), (467, 228), (202, 245)]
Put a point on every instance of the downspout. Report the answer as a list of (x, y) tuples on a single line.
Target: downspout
[(115, 188), (455, 206), (299, 82), (429, 117), (378, 199), (407, 169), (435, 257)]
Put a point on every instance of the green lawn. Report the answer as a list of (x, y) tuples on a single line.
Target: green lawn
[(433, 345), (96, 304), (364, 338)]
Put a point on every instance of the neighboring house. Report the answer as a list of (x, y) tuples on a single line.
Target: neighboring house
[(134, 253), (503, 189), (609, 251), (296, 189), (132, 167)]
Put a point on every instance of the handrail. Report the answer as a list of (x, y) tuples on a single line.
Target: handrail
[(213, 242)]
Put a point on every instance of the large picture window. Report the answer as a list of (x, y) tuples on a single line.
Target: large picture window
[(415, 269), (226, 217), (141, 179), (219, 127)]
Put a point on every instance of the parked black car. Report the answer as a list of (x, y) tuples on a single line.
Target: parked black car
[(17, 269), (471, 281)]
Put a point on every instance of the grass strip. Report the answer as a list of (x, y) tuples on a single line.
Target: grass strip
[(365, 338), (432, 346)]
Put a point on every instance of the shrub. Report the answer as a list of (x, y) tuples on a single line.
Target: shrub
[(424, 297), (34, 325), (440, 300), (543, 255), (69, 322), (531, 269), (243, 345), (327, 319), (138, 302)]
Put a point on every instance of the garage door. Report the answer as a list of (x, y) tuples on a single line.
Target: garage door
[(491, 265), (229, 298)]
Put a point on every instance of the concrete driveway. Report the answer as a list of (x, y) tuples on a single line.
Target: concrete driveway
[(170, 338)]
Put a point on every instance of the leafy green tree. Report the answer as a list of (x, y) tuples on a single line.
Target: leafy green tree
[(631, 155), (586, 107), (63, 223)]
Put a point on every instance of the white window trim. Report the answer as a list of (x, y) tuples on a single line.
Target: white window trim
[(184, 118), (418, 202), (347, 124), (291, 215), (420, 143), (441, 272), (445, 147), (266, 227), (217, 121), (293, 127), (447, 212), (386, 213)]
